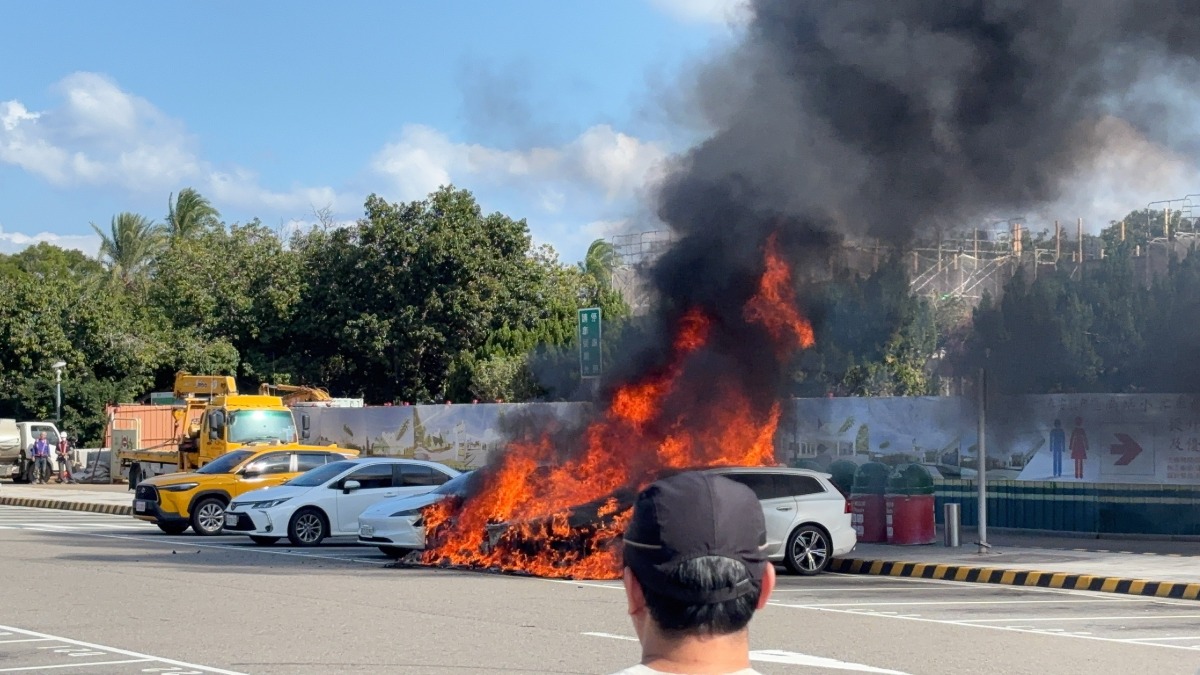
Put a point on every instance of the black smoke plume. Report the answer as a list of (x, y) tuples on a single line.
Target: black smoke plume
[(845, 119)]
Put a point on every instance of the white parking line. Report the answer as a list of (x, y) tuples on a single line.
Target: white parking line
[(8, 642), (1187, 637), (958, 602), (25, 669), (136, 657), (1145, 617)]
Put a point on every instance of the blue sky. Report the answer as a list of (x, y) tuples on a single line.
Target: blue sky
[(549, 111)]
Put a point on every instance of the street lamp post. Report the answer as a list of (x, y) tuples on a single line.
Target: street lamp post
[(58, 368)]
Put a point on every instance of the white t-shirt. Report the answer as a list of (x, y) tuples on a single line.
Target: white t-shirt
[(646, 670)]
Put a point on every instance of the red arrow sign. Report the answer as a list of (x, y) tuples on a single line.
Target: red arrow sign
[(1127, 449)]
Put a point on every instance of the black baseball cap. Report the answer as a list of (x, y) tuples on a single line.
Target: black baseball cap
[(691, 515)]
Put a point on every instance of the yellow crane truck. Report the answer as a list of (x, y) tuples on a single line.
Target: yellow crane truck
[(212, 419)]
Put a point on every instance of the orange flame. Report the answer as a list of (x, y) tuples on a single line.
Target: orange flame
[(528, 497), (775, 305)]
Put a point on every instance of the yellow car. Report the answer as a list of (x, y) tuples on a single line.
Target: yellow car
[(197, 499)]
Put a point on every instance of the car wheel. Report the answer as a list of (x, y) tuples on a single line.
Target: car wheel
[(263, 541), (394, 552), (172, 528), (307, 527), (808, 550), (208, 517)]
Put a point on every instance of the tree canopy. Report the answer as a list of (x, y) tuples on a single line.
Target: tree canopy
[(423, 301)]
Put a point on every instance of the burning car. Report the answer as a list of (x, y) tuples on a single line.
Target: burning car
[(397, 525), (807, 517)]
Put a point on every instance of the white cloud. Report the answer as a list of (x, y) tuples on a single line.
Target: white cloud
[(12, 242), (706, 11), (614, 165), (103, 136)]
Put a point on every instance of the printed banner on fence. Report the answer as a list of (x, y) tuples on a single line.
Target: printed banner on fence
[(1119, 438)]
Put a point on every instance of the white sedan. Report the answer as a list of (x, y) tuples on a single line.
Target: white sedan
[(395, 525), (326, 501)]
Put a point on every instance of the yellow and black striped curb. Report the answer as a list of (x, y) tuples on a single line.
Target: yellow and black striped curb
[(1011, 577), (114, 509)]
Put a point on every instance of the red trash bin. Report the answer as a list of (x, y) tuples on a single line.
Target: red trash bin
[(910, 519), (869, 517), (910, 506), (868, 507)]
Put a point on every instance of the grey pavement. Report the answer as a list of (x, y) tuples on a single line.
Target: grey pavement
[(1151, 560), (1169, 561), (223, 603), (78, 494)]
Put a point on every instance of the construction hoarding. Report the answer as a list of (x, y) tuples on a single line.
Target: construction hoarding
[(1152, 439)]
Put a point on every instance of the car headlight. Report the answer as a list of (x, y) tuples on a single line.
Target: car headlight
[(411, 513), (269, 504), (182, 487)]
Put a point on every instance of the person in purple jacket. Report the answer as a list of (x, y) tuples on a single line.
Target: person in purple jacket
[(40, 451)]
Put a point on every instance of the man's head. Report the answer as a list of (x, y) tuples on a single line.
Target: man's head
[(42, 436), (695, 558)]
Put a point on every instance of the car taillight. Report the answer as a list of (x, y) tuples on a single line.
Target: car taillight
[(847, 507)]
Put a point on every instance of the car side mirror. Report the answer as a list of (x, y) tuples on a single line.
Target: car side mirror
[(251, 473), (349, 486)]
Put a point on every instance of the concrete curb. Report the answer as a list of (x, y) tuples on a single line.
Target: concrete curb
[(1014, 577), (114, 509)]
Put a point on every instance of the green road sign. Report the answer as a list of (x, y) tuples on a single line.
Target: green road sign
[(589, 342)]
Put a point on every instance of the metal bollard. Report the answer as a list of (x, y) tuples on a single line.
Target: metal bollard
[(952, 512)]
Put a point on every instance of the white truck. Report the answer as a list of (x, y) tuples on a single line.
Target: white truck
[(15, 439)]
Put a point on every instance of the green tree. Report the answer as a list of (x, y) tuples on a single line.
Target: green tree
[(129, 249), (238, 285), (600, 262), (190, 213)]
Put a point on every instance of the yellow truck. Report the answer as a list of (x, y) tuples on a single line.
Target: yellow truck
[(212, 419)]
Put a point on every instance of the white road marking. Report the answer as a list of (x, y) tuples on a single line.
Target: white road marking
[(25, 669), (1145, 617), (1017, 629), (790, 658), (614, 637), (593, 584), (959, 602), (8, 642), (1187, 637), (136, 657)]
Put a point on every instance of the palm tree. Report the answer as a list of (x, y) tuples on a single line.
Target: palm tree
[(600, 261), (189, 213), (130, 249)]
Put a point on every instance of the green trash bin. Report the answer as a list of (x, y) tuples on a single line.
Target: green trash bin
[(806, 463), (868, 504), (910, 506), (842, 475)]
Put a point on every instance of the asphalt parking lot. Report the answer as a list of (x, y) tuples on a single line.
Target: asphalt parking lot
[(221, 604)]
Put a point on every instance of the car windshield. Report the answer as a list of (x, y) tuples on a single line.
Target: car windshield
[(458, 485), (246, 426), (226, 462), (320, 475)]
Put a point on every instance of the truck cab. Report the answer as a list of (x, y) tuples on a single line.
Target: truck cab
[(233, 421), (15, 439)]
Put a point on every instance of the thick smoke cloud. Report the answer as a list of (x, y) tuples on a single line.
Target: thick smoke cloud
[(884, 118)]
